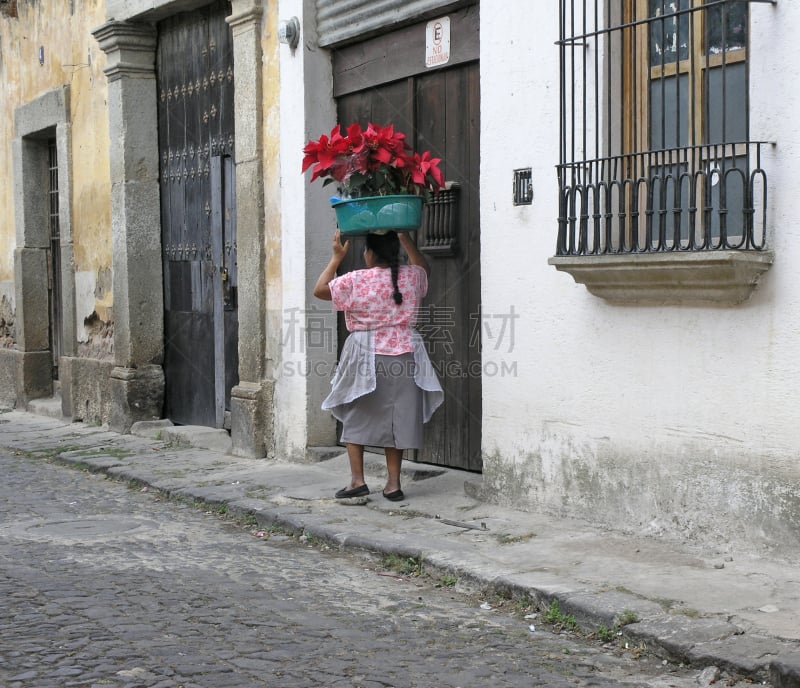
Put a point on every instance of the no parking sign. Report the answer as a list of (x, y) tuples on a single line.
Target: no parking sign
[(437, 42)]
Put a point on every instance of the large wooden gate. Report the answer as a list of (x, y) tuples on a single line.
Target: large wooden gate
[(439, 111), (198, 215)]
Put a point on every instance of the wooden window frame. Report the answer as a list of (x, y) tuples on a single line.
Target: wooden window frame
[(637, 99), (640, 223), (638, 80)]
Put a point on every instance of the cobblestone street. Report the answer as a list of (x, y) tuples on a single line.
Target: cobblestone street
[(104, 585)]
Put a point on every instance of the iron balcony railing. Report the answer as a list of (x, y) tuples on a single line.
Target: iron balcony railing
[(683, 199), (655, 153)]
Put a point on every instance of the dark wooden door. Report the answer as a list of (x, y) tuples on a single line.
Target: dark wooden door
[(198, 214), (439, 111)]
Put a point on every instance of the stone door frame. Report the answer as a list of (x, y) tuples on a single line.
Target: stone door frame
[(137, 380), (35, 123)]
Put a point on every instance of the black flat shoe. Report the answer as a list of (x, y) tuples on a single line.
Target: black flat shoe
[(347, 492), (395, 496)]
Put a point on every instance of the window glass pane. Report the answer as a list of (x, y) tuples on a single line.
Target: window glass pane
[(726, 27), (726, 109), (669, 112), (669, 37)]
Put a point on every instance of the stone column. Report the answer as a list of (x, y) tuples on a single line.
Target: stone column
[(137, 381), (251, 399)]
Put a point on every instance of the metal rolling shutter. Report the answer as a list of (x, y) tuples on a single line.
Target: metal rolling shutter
[(342, 21)]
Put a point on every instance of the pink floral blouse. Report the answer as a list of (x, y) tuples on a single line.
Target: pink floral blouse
[(365, 296)]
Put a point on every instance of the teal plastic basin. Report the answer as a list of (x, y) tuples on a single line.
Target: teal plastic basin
[(375, 213)]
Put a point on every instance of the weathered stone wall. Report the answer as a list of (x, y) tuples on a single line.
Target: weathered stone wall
[(47, 46), (99, 338)]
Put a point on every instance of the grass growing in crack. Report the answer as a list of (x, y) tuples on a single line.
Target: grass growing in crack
[(627, 617), (115, 452), (248, 520), (687, 611), (510, 601), (408, 566), (172, 444), (119, 453), (78, 452), (524, 604), (512, 539), (309, 538), (555, 617), (51, 453), (219, 509), (605, 634), (447, 582)]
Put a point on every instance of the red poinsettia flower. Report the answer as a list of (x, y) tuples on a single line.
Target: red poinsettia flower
[(325, 154), (355, 138), (424, 165), (372, 161)]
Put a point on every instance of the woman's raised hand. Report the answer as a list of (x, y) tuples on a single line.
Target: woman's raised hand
[(405, 240), (321, 289), (340, 248), (414, 254)]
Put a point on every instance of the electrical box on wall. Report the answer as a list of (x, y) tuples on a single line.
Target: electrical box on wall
[(289, 32), (523, 186)]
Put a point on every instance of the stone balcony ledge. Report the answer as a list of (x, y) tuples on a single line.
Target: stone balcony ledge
[(718, 278)]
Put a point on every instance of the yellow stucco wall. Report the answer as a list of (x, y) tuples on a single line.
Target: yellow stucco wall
[(271, 142), (71, 56)]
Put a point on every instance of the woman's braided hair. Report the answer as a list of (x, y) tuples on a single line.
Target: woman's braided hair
[(386, 248)]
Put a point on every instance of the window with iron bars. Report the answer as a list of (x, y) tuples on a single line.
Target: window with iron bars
[(656, 154)]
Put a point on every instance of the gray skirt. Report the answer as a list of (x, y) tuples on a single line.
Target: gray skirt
[(389, 416)]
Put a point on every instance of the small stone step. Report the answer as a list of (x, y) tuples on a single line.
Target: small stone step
[(47, 406)]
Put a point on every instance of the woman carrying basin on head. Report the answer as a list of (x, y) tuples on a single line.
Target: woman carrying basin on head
[(384, 388)]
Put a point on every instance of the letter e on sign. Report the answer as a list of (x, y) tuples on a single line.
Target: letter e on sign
[(437, 42)]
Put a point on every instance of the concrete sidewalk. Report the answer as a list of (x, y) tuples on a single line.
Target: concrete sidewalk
[(736, 611)]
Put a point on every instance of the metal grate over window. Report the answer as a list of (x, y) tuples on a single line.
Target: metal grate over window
[(54, 267), (655, 152)]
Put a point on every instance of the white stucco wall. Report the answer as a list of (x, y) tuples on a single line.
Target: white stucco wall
[(679, 420), (303, 376)]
